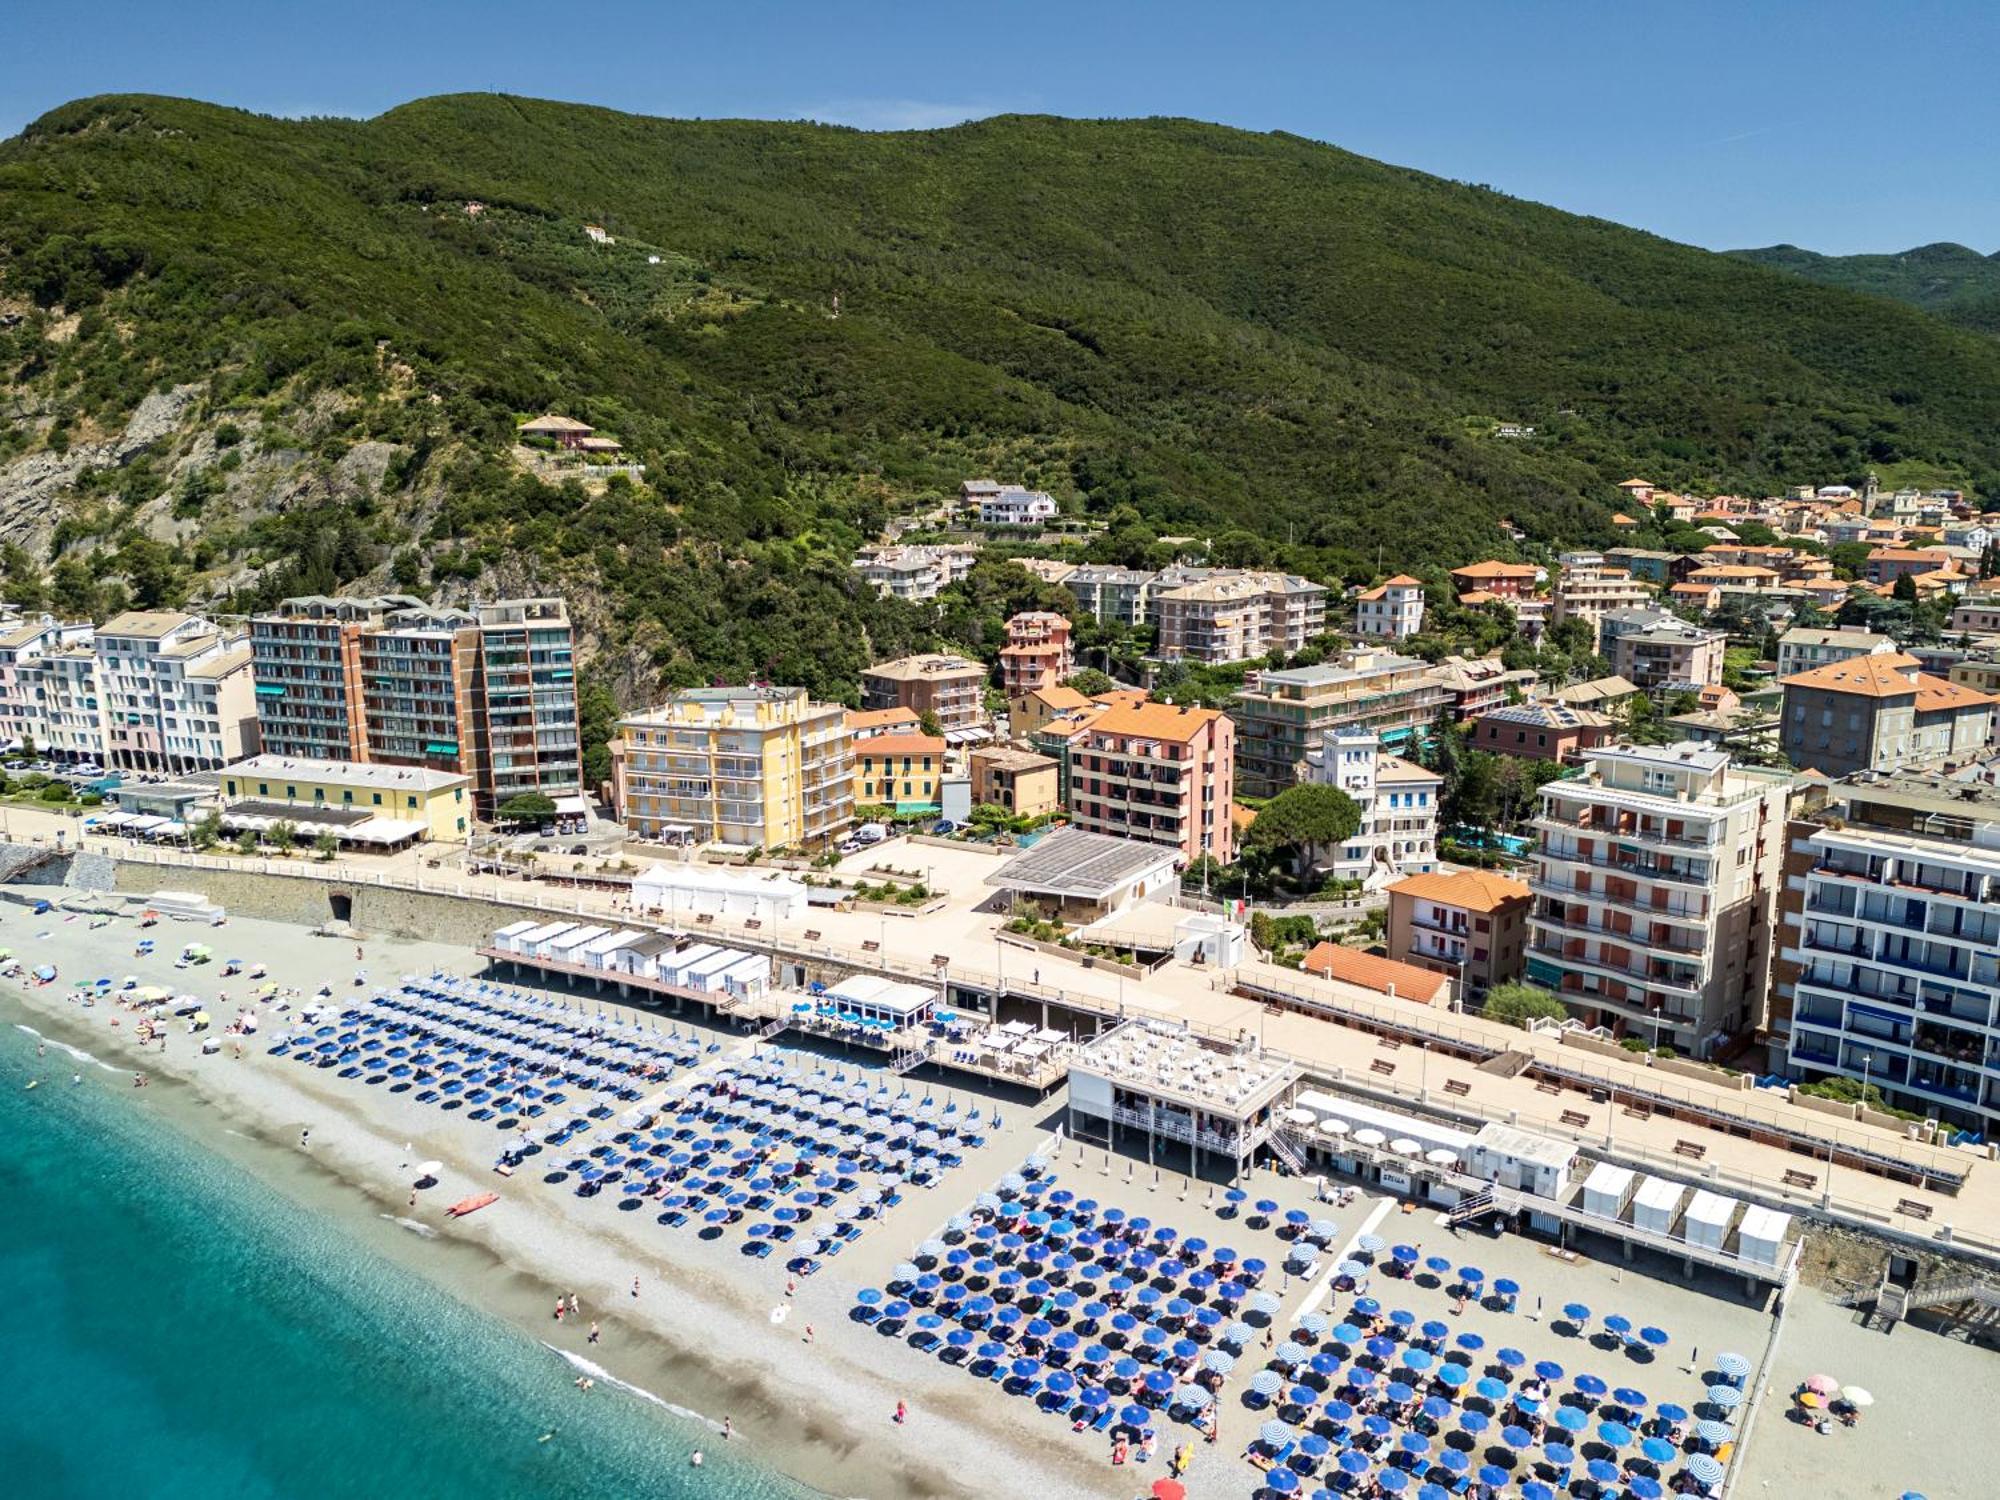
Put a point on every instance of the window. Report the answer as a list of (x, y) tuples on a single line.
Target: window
[(378, 799)]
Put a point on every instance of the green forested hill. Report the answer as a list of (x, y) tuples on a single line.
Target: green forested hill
[(1959, 285), (1228, 332)]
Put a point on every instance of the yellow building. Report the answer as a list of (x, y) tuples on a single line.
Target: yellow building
[(1026, 784), (358, 802), (757, 767), (902, 771)]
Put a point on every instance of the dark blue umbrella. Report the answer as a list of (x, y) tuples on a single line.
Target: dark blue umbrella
[(1494, 1475), (1559, 1454), (1672, 1411), (1338, 1411), (1281, 1481), (1548, 1369), (1455, 1460), (1405, 1254), (1471, 1275), (1159, 1382), (1437, 1263), (1474, 1422), (1590, 1385), (1393, 1481), (1436, 1408), (1619, 1324), (958, 1338), (1402, 1319), (1414, 1442), (1096, 1396), (1513, 1359), (1654, 1336), (1534, 1489), (1325, 1364), (1516, 1437), (1630, 1399), (1354, 1461), (1026, 1369), (1135, 1416), (1061, 1381), (1377, 1424), (1601, 1472), (1576, 1312), (1434, 1330), (1506, 1286), (1471, 1341), (1398, 1392), (1645, 1487)]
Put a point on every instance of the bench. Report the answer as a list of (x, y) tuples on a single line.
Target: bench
[(1639, 1111), (1797, 1179), (704, 919), (752, 923), (1387, 1043), (1576, 1118), (869, 945), (812, 934), (1913, 1208), (1383, 1066), (1458, 1087), (1693, 1150), (1545, 1087)]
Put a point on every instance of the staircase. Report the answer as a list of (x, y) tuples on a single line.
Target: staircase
[(1952, 1289), (1507, 1064), (1286, 1152), (914, 1057), (772, 1027), (1476, 1206)]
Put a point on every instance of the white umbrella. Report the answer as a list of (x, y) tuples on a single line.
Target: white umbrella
[(429, 1169), (1854, 1395)]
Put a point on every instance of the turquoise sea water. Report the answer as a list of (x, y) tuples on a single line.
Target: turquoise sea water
[(177, 1328)]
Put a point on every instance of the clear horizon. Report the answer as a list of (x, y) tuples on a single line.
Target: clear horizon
[(1828, 126)]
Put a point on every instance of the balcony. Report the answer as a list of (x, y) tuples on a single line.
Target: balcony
[(1568, 893), (1568, 923), (1623, 867), (1664, 980)]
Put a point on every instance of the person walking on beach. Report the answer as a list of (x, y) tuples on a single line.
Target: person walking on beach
[(635, 1286), (902, 1412), (729, 1427), (593, 1333), (304, 1136), (791, 1285), (574, 1305), (809, 1333), (561, 1308)]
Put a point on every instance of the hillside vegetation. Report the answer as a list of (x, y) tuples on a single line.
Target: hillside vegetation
[(800, 328), (1959, 285)]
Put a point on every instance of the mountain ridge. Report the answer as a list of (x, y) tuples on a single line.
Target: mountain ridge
[(1254, 337), (1953, 281)]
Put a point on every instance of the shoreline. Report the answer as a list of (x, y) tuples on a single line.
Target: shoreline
[(811, 1428)]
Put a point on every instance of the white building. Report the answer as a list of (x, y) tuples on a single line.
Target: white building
[(681, 892), (914, 572), (1394, 609), (1398, 802), (72, 705), (177, 693), (1014, 506), (1803, 649), (1655, 883), (23, 647)]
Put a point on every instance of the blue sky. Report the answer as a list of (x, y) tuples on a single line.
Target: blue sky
[(1841, 125)]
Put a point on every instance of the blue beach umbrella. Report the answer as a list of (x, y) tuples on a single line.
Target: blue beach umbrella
[(1471, 1342), (1670, 1411), (1281, 1481), (1436, 1408), (1619, 1324), (1576, 1312), (1418, 1359), (1658, 1450), (1735, 1366), (1338, 1411), (1506, 1286), (1405, 1254), (1656, 1337), (1474, 1422), (1494, 1475), (1548, 1369), (1377, 1424), (1513, 1359), (1398, 1392), (1353, 1461), (1559, 1454), (1630, 1399), (1614, 1434), (1437, 1263), (1455, 1459), (1601, 1472), (1393, 1481), (1434, 1330), (1346, 1333), (1728, 1397), (1534, 1489), (1516, 1437), (1414, 1442), (1590, 1385), (1453, 1375), (1572, 1418), (1644, 1487), (1490, 1388)]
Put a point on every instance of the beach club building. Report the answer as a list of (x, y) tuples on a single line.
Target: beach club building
[(382, 806)]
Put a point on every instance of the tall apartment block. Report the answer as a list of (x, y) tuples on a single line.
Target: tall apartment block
[(760, 767), (1892, 944), (487, 692), (1038, 653), (1158, 772), (25, 645), (1655, 883)]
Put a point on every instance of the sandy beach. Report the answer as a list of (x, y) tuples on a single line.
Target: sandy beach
[(713, 1333)]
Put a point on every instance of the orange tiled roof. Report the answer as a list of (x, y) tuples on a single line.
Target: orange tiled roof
[(1936, 692), (902, 744), (1492, 568), (1883, 676), (859, 719), (1351, 965), (1474, 890), (1155, 721)]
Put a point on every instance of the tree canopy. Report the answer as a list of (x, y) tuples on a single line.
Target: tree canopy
[(1302, 821), (1517, 1004)]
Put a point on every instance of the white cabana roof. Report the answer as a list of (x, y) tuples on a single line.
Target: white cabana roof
[(877, 993)]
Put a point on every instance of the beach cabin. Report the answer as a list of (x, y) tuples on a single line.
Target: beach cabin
[(1336, 1125), (674, 966), (884, 1003), (601, 954), (536, 944), (1707, 1222), (1761, 1235), (1606, 1190), (749, 977), (1511, 1157), (507, 937), (690, 890), (641, 959), (566, 947), (1656, 1205), (705, 974)]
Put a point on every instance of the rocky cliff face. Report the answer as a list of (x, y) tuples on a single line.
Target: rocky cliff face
[(32, 485)]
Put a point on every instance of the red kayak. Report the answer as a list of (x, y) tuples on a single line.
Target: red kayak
[(471, 1205)]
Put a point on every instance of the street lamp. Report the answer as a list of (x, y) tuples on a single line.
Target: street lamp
[(1867, 1061)]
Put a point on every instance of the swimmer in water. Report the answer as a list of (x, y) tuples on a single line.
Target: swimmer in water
[(694, 1459)]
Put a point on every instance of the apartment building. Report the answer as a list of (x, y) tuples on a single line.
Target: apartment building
[(950, 687), (1158, 772), (1220, 617), (1590, 589), (1895, 939), (177, 693), (487, 692), (72, 705), (1474, 685), (1977, 615), (1660, 568), (1802, 649), (914, 573), (1471, 925), (1654, 648), (902, 771), (756, 767), (1280, 716), (1038, 653), (1026, 784), (1399, 803), (24, 646), (1880, 713), (305, 656), (1393, 609), (1114, 596), (525, 732), (1887, 564), (1655, 882)]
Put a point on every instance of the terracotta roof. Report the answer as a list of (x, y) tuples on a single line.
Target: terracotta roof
[(1909, 554), (1934, 693), (1730, 571), (1637, 484), (1478, 596), (1155, 721), (553, 423), (1352, 966), (859, 719), (1473, 890), (1621, 519), (1493, 569), (1887, 675), (902, 744)]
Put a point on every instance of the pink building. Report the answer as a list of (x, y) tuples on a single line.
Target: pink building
[(1159, 772), (1038, 653), (23, 716)]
